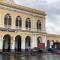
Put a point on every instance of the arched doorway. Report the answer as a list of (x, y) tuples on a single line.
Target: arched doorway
[(6, 43), (52, 44), (27, 43), (38, 41), (57, 44), (48, 44), (18, 43)]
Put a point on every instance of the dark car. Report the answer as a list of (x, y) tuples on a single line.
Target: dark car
[(36, 50), (52, 49)]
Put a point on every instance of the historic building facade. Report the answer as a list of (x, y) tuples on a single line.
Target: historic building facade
[(23, 28), (53, 41), (20, 27)]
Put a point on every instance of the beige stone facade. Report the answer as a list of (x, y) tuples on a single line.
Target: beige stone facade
[(22, 27), (54, 39), (18, 35)]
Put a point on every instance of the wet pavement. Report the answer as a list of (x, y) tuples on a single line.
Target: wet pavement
[(48, 56)]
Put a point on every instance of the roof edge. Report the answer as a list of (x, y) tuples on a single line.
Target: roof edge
[(24, 8)]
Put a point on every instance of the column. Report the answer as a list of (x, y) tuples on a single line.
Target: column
[(23, 24), (33, 41), (12, 44), (44, 40), (43, 25), (23, 44), (1, 44), (34, 23)]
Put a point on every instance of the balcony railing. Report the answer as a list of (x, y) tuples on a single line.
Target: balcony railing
[(16, 28), (7, 26), (32, 29)]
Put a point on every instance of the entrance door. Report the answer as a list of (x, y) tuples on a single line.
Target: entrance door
[(27, 43), (39, 40), (18, 44), (48, 44), (6, 43)]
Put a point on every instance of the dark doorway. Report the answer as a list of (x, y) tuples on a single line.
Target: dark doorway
[(57, 45), (27, 43), (6, 43), (48, 44), (38, 41), (18, 44)]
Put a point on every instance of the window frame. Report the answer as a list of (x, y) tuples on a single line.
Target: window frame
[(18, 23), (28, 23), (38, 25), (7, 20)]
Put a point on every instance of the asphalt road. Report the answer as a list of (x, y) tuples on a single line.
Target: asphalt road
[(48, 56)]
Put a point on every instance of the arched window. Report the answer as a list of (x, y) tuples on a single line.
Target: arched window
[(28, 23), (39, 24), (7, 20), (18, 21)]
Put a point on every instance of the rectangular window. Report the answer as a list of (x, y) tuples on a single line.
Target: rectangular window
[(5, 22), (16, 22), (9, 22)]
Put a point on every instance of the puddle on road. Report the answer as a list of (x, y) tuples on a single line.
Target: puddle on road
[(23, 58), (29, 57)]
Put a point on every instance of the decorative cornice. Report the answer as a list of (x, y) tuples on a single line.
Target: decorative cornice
[(19, 7), (19, 11)]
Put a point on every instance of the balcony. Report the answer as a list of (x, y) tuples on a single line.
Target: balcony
[(7, 28), (16, 28), (31, 29)]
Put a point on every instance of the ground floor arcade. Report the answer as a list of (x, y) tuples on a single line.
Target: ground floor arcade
[(53, 44), (19, 41), (53, 41)]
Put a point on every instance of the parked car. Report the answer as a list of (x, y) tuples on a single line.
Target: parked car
[(52, 50), (36, 50)]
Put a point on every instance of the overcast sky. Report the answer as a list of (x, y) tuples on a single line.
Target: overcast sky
[(51, 7)]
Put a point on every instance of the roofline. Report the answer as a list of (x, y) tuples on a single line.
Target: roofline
[(53, 35), (20, 7)]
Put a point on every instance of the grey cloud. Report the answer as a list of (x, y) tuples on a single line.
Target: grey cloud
[(53, 18)]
